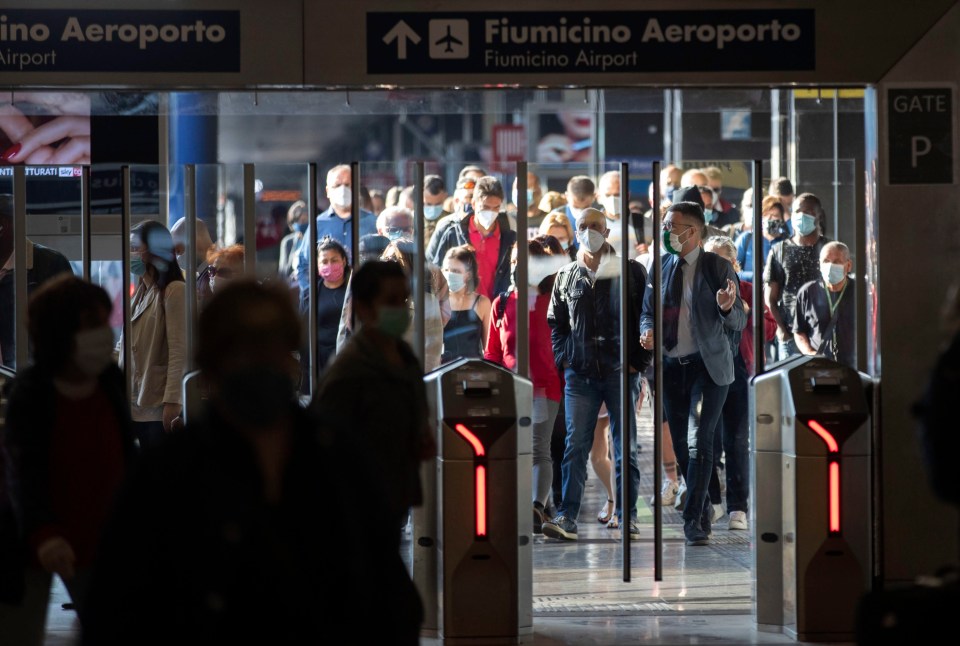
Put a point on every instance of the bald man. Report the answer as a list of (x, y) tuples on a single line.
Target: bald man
[(204, 246), (584, 319), (826, 313)]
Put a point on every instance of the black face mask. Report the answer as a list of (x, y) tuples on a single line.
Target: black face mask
[(258, 396), (775, 228)]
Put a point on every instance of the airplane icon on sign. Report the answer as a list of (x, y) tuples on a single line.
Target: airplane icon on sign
[(449, 38), (449, 41)]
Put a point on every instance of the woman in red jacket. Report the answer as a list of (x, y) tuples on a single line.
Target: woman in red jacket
[(546, 258)]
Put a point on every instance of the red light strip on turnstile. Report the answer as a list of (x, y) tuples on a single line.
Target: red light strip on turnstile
[(835, 497), (481, 500), (833, 476), (824, 434), (480, 479), (470, 437)]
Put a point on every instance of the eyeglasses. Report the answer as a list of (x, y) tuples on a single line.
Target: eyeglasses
[(398, 230), (222, 272), (670, 226)]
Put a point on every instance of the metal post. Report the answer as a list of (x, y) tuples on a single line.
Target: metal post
[(355, 213), (125, 216), (86, 232), (667, 126), (836, 164), (860, 243), (676, 132), (523, 270), (20, 264), (776, 152), (249, 220), (656, 284), (626, 337), (793, 142), (419, 267), (312, 273), (190, 271), (759, 340), (354, 229)]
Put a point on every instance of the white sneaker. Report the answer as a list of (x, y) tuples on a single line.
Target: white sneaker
[(668, 493), (738, 521)]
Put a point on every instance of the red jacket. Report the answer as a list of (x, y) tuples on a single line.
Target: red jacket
[(502, 344)]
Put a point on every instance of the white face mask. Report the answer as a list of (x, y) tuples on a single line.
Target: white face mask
[(832, 273), (575, 213), (94, 350), (455, 282), (591, 240), (486, 218), (611, 206), (341, 196)]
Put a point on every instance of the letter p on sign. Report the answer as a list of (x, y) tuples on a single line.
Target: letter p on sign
[(919, 146)]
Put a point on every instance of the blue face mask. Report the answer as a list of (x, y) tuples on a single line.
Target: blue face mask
[(137, 266), (468, 208), (432, 211), (301, 227), (803, 223), (709, 215)]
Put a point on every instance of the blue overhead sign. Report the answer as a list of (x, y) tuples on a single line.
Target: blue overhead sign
[(121, 40), (548, 42)]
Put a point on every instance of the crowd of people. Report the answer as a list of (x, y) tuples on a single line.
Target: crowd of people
[(201, 528)]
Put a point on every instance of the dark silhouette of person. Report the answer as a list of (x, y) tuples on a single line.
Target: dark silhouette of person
[(222, 532), (374, 402), (69, 440)]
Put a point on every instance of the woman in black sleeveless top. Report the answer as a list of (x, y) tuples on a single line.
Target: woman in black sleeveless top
[(465, 334)]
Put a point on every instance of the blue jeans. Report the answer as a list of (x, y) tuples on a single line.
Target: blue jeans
[(692, 402), (582, 399)]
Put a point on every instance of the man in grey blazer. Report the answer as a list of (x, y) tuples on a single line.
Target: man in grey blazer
[(701, 308)]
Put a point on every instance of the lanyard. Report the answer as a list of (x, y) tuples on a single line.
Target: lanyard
[(835, 305)]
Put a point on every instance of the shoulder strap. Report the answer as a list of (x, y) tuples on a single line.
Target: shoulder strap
[(501, 310)]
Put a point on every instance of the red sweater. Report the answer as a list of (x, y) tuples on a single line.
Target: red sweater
[(86, 468), (502, 344)]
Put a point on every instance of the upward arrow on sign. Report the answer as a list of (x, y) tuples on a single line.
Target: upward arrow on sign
[(401, 32)]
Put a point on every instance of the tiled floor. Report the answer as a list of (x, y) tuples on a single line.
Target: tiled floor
[(580, 597)]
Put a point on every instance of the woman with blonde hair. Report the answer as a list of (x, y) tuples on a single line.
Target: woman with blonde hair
[(557, 224)]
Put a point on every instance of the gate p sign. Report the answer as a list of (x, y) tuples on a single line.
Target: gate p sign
[(920, 132)]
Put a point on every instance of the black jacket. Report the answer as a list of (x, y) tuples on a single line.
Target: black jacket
[(459, 234), (584, 318)]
